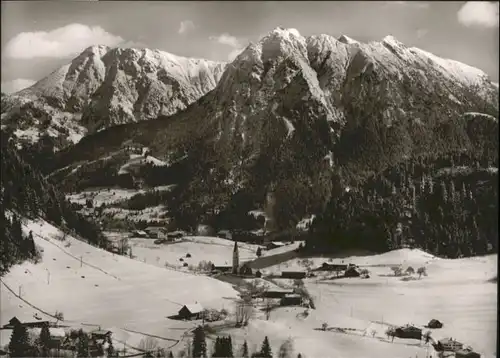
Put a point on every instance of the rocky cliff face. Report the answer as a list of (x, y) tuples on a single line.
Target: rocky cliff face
[(106, 86)]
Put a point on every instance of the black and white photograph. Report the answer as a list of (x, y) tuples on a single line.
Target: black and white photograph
[(249, 179)]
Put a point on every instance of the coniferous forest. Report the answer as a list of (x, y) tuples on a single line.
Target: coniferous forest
[(447, 206), (26, 194)]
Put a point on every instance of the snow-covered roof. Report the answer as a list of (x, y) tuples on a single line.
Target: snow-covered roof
[(278, 243), (140, 232), (54, 332), (194, 307)]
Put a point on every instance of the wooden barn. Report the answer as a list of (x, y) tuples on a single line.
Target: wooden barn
[(291, 300), (409, 332), (293, 274), (466, 353), (352, 271), (191, 311), (15, 321), (276, 293), (331, 267)]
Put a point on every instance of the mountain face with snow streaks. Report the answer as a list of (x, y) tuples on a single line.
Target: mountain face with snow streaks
[(103, 87), (285, 117)]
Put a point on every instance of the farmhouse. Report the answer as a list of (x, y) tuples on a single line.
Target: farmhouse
[(57, 336), (352, 271), (154, 231), (291, 300), (225, 234), (191, 311), (276, 293), (222, 268), (331, 267), (275, 245), (448, 344), (15, 321), (434, 323), (409, 332), (176, 234), (293, 274), (139, 233), (466, 353)]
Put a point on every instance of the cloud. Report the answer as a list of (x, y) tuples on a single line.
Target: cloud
[(409, 4), (226, 39), (421, 33), (186, 26), (478, 14), (16, 85), (231, 41), (62, 42)]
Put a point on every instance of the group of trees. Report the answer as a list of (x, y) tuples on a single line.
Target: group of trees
[(15, 246), (26, 193), (446, 205), (223, 347)]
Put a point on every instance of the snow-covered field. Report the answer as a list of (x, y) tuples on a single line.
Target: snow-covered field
[(201, 248), (118, 293), (95, 287), (456, 292), (110, 196)]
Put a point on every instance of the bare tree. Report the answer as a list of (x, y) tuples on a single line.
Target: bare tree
[(324, 326), (59, 316), (410, 270), (268, 308), (421, 271), (286, 349), (390, 332), (243, 312), (148, 344), (397, 270)]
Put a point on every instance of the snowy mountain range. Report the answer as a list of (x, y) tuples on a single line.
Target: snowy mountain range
[(311, 106), (106, 86)]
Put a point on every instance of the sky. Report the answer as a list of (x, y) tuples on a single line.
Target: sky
[(39, 36)]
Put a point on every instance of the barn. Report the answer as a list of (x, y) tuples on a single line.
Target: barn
[(191, 311), (466, 353), (409, 332), (291, 300), (331, 267), (276, 293), (293, 274), (434, 323), (352, 271)]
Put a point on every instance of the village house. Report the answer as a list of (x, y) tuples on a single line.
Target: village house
[(274, 245), (291, 300), (409, 332), (154, 232), (191, 311), (448, 344), (352, 271), (139, 233), (57, 336), (276, 293), (466, 353), (225, 234), (23, 321), (331, 267), (293, 274), (434, 323)]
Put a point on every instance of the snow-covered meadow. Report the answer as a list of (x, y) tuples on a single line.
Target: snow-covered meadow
[(95, 287)]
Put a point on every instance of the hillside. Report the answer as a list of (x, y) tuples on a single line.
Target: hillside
[(26, 194), (128, 297), (103, 87), (332, 112)]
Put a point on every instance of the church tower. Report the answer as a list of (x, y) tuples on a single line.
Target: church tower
[(236, 258)]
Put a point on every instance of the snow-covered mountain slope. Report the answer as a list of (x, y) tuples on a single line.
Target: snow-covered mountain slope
[(309, 105), (106, 86)]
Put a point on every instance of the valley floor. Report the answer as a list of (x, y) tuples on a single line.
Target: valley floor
[(133, 299)]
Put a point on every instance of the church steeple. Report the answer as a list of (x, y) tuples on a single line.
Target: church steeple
[(236, 258)]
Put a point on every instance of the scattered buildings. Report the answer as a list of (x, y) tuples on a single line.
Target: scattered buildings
[(191, 311)]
